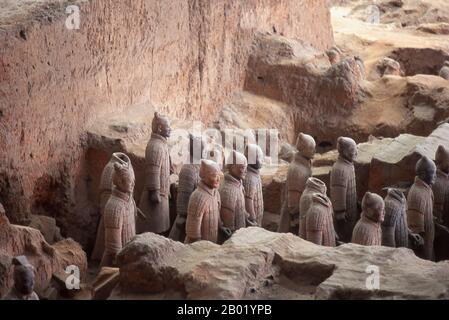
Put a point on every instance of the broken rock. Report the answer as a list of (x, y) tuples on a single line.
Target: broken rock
[(293, 268)]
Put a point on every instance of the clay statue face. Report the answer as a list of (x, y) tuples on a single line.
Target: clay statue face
[(161, 125), (24, 279), (212, 180), (347, 148), (238, 171), (164, 128), (237, 164), (210, 173)]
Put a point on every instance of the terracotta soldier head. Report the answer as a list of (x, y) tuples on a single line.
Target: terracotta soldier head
[(123, 178), (210, 173), (426, 170), (306, 145), (161, 125), (442, 159), (237, 165), (347, 148), (373, 207), (254, 155), (23, 276)]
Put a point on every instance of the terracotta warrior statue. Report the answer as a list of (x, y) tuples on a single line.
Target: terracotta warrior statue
[(298, 173), (368, 231), (203, 213), (154, 199), (444, 72), (105, 192), (319, 221), (420, 206), (253, 183), (313, 185), (188, 182), (233, 212), (23, 281), (119, 214), (343, 189), (441, 186), (395, 231)]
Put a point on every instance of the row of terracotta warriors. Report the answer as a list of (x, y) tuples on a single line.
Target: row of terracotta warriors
[(208, 209), (396, 221)]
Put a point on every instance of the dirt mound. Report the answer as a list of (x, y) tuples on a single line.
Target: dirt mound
[(258, 264)]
